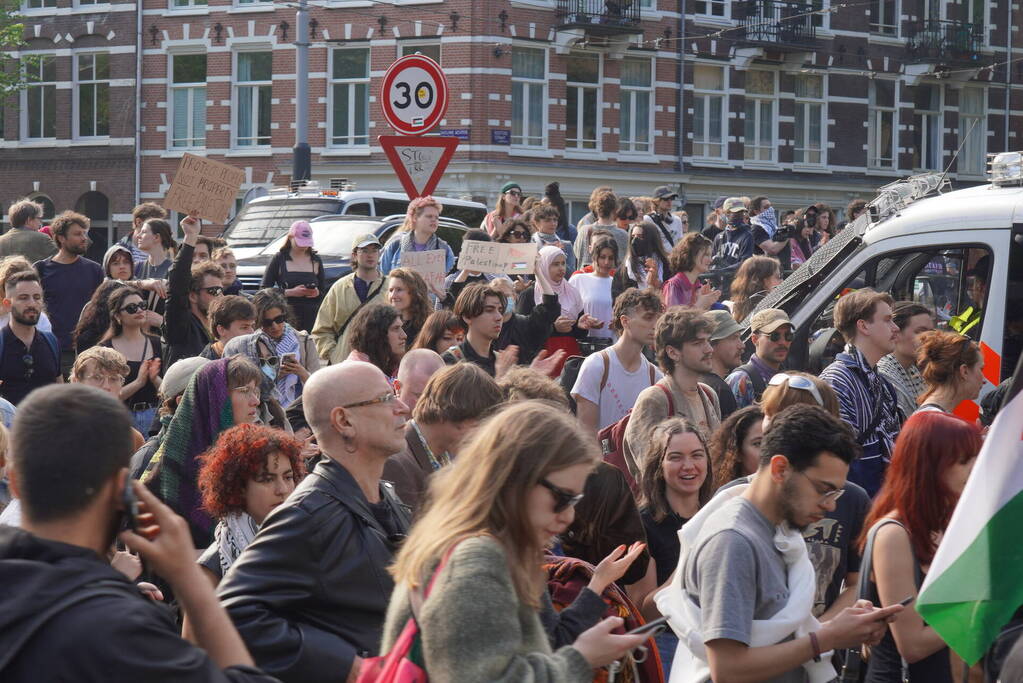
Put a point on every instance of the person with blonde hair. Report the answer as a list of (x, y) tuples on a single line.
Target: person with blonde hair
[(106, 369), (417, 233), (487, 520)]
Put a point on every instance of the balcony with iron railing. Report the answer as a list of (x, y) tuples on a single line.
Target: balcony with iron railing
[(944, 42), (599, 17), (777, 23)]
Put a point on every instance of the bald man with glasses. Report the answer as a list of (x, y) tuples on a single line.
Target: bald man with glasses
[(310, 593)]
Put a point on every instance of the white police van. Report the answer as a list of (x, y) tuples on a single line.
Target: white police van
[(960, 253)]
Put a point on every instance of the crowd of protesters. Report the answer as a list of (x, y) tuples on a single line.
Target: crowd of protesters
[(515, 472)]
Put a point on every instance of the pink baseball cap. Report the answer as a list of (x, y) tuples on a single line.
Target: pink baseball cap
[(302, 233)]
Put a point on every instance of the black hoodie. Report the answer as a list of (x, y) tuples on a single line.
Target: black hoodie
[(115, 635)]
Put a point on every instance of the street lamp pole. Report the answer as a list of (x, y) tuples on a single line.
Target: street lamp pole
[(302, 156)]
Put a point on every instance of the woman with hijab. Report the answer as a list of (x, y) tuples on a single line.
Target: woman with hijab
[(572, 325), (221, 394), (260, 349)]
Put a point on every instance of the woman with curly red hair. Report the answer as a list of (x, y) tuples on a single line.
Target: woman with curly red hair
[(248, 472), (933, 457)]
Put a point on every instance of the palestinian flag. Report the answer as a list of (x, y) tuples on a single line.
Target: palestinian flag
[(975, 583)]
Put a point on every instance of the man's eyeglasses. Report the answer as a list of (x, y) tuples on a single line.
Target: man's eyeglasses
[(798, 382), (279, 320), (132, 309), (562, 499), (776, 336), (104, 380), (388, 398), (831, 495), (212, 291)]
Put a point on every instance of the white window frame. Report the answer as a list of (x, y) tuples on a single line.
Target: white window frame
[(930, 125), (26, 5), (76, 113), (580, 118), (26, 92), (725, 5), (627, 145), (187, 5), (977, 142), (807, 103), (528, 83), (878, 29), (772, 145), (402, 44), (191, 87), (236, 87), (702, 138), (875, 115), (351, 101)]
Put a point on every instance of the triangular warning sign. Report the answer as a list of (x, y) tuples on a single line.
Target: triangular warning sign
[(418, 161)]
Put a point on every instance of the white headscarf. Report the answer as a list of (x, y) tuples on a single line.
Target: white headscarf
[(568, 297)]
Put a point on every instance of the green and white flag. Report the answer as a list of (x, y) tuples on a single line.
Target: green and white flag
[(976, 580)]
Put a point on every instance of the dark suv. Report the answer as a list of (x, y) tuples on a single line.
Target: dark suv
[(333, 236)]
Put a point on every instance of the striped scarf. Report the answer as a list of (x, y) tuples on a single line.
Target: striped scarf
[(203, 413), (287, 385)]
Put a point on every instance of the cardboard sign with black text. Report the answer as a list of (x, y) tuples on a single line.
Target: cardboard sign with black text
[(206, 187)]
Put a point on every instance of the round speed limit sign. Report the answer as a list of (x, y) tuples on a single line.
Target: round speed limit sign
[(414, 94)]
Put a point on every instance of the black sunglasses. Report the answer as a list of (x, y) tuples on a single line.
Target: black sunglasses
[(212, 291), (279, 320), (28, 361), (132, 309), (519, 233), (776, 336), (562, 499)]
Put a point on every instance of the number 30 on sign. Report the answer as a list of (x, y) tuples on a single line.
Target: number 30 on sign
[(414, 94)]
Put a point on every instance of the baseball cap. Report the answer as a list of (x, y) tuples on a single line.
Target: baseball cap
[(665, 192), (719, 202), (365, 240), (176, 379), (302, 233), (769, 320), (724, 325), (734, 204)]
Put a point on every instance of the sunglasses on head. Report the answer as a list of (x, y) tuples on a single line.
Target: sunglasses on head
[(132, 309), (279, 320), (798, 382), (562, 499)]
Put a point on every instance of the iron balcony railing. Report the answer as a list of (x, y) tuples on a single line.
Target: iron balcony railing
[(936, 40), (599, 16), (777, 22)]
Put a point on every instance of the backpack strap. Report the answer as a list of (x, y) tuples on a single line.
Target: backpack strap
[(607, 369), (51, 341), (369, 298), (671, 399), (759, 386)]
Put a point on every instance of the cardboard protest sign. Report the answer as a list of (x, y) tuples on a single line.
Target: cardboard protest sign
[(495, 257), (207, 187), (430, 264)]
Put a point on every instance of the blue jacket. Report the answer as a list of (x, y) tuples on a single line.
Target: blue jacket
[(402, 242)]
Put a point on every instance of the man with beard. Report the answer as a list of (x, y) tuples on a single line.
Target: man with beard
[(772, 335), (361, 287), (68, 280), (191, 290), (726, 340), (744, 584), (30, 357)]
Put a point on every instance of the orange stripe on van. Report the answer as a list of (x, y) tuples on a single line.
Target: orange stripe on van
[(992, 364)]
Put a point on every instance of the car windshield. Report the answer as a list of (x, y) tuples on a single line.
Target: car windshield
[(260, 222), (331, 237)]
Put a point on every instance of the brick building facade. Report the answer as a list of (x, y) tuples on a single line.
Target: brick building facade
[(801, 102), (69, 137)]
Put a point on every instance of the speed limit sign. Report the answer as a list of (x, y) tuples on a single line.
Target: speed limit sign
[(414, 94)]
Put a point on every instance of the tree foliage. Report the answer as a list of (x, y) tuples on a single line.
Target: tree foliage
[(12, 37)]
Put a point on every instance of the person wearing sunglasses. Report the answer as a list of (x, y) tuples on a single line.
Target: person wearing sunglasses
[(509, 203), (492, 515), (190, 291), (868, 401), (309, 595), (745, 563), (296, 348), (772, 336), (670, 227), (142, 353), (515, 231)]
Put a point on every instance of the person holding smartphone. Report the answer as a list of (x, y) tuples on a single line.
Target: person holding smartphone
[(297, 270)]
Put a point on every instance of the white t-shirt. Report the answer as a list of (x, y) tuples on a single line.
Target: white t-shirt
[(674, 226), (595, 293), (622, 387)]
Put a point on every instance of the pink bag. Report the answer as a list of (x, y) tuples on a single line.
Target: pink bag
[(403, 664)]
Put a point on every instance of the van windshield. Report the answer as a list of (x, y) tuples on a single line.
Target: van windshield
[(261, 222), (331, 238)]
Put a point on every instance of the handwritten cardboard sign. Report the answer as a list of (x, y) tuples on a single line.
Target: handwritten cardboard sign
[(206, 187), (495, 257), (430, 264)]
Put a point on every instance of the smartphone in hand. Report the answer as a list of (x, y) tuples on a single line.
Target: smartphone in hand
[(131, 506)]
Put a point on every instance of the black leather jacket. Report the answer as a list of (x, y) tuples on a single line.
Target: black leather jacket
[(310, 593)]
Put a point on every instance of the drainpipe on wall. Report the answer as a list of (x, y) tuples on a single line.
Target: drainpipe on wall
[(1008, 69), (138, 101), (681, 83)]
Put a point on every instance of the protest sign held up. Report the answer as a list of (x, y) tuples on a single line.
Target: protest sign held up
[(205, 187), (430, 264), (495, 257)]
